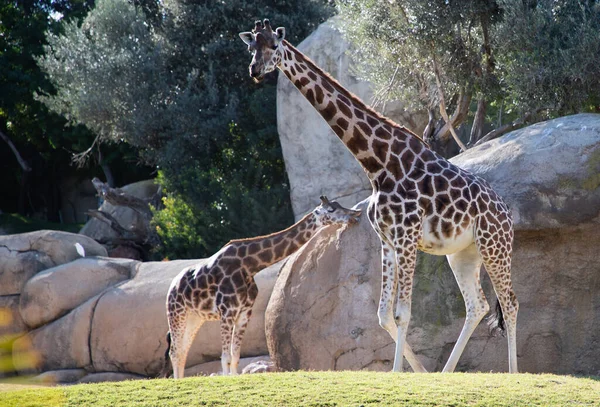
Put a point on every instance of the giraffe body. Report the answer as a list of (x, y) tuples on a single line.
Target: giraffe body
[(420, 201), (223, 289)]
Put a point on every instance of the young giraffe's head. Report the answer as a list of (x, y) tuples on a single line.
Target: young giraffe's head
[(330, 212), (265, 46)]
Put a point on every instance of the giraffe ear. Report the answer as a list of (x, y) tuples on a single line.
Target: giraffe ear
[(280, 33), (247, 37)]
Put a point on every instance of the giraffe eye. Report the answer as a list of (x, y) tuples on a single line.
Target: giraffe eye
[(331, 210), (274, 47)]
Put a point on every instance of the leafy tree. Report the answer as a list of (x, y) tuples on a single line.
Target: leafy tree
[(41, 145), (493, 57), (177, 88), (36, 158), (549, 55)]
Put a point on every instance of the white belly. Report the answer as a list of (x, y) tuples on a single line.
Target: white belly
[(429, 243)]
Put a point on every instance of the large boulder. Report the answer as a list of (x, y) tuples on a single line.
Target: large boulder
[(323, 313), (311, 150), (129, 325), (549, 173), (52, 293), (24, 255), (61, 344), (10, 317)]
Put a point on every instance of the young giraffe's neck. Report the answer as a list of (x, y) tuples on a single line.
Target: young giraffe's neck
[(259, 252), (369, 136)]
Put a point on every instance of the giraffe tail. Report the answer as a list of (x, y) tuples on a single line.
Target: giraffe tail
[(167, 369), (496, 321)]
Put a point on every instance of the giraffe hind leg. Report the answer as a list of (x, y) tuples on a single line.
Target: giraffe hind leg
[(499, 273), (183, 330), (167, 369), (238, 335), (466, 266)]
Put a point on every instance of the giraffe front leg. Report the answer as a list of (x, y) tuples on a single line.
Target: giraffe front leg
[(385, 311), (226, 331), (238, 335), (406, 256)]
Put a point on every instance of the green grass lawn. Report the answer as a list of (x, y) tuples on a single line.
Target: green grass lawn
[(323, 389)]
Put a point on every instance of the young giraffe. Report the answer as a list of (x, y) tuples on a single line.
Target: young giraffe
[(419, 201), (223, 288)]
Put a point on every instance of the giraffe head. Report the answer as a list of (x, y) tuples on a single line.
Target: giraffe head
[(330, 212), (264, 44)]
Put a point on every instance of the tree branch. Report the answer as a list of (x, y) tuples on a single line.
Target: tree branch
[(20, 159), (81, 158), (443, 111), (118, 197)]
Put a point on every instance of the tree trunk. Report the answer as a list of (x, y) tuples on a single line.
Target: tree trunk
[(24, 187), (478, 122)]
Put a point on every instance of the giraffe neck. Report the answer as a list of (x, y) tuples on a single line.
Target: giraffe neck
[(256, 253), (369, 136)]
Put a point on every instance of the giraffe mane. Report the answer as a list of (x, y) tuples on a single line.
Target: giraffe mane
[(251, 239), (341, 89)]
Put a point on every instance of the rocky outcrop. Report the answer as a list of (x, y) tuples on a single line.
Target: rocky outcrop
[(548, 172), (322, 314), (107, 317), (24, 255), (316, 161), (54, 292)]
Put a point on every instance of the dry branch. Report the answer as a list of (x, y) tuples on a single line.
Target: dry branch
[(20, 159)]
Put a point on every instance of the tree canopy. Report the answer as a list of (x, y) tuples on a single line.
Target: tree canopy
[(38, 161), (174, 85), (491, 61)]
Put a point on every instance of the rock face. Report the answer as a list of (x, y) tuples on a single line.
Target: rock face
[(549, 172), (316, 161), (107, 317), (322, 314), (44, 296), (24, 255)]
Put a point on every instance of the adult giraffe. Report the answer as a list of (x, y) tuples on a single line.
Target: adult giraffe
[(419, 201)]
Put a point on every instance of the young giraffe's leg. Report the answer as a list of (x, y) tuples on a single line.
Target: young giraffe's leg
[(183, 327), (406, 257), (238, 335), (386, 301), (466, 266), (226, 333)]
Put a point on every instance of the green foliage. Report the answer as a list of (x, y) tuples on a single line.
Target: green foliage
[(37, 134), (398, 41), (549, 55), (322, 389), (518, 56), (177, 89), (42, 137)]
